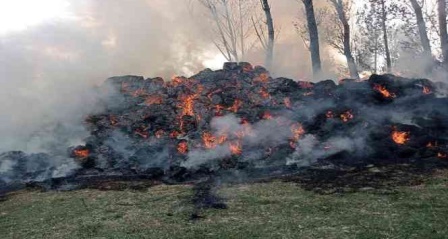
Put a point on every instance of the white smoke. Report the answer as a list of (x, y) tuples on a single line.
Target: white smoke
[(263, 133), (49, 72)]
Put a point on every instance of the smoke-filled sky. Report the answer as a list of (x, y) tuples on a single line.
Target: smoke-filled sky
[(146, 37)]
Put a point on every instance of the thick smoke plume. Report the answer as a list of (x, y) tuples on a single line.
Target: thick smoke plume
[(49, 72)]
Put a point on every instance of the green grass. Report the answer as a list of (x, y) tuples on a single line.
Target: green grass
[(262, 210)]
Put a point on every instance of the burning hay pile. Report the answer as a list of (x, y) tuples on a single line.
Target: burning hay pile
[(239, 122)]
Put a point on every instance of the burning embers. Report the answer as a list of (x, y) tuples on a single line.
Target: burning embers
[(346, 116), (242, 118), (235, 147), (210, 141), (383, 90), (297, 131), (233, 139), (400, 137), (81, 153), (154, 100), (182, 147), (242, 113), (442, 155), (434, 146), (236, 105), (187, 104)]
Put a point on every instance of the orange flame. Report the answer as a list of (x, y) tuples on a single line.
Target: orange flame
[(209, 140), (182, 147), (176, 80), (347, 116), (154, 99), (400, 137), (382, 89), (236, 106), (426, 90), (297, 131), (221, 139), (218, 110), (189, 106), (81, 153), (442, 155), (235, 147), (209, 95)]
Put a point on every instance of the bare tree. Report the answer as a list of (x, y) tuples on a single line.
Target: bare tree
[(313, 36), (271, 33), (341, 10), (422, 28), (385, 35), (232, 31), (443, 31)]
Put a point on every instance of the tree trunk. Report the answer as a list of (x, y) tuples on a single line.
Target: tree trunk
[(226, 52), (376, 53), (422, 28), (443, 31), (271, 34), (230, 28), (338, 4), (314, 37), (385, 37), (240, 13)]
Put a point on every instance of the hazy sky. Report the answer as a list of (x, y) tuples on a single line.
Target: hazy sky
[(148, 37)]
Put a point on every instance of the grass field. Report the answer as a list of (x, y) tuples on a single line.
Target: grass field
[(261, 210)]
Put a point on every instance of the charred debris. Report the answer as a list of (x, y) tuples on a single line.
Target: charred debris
[(240, 124)]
